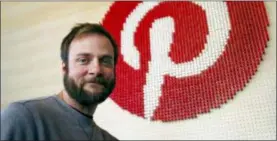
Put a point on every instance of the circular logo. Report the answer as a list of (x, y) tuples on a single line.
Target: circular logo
[(181, 59)]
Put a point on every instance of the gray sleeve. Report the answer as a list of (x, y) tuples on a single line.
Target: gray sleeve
[(108, 136), (102, 134), (17, 123)]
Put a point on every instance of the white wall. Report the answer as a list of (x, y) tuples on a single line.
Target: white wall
[(31, 34)]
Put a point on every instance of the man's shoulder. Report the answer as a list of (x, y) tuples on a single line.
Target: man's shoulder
[(19, 119), (105, 134), (17, 116), (39, 101), (28, 106), (108, 136)]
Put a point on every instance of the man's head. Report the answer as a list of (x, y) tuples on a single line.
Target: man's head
[(89, 56)]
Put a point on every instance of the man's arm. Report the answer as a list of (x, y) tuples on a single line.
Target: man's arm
[(17, 123)]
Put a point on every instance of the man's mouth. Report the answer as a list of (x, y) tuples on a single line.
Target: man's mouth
[(95, 84)]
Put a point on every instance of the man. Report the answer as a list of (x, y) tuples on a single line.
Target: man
[(89, 56)]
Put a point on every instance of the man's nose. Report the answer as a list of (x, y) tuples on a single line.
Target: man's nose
[(94, 67)]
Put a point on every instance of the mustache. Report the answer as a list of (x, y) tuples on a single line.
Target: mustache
[(98, 80)]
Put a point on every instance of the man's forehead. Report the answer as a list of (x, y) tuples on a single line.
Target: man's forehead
[(91, 44), (91, 38)]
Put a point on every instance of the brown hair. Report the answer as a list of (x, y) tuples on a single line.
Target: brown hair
[(85, 28)]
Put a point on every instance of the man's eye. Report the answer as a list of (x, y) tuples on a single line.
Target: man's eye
[(107, 61), (82, 60)]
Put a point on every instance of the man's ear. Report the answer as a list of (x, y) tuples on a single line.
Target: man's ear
[(64, 68)]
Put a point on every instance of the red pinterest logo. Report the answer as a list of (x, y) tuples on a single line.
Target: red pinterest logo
[(181, 59)]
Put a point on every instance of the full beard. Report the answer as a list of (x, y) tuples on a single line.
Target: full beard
[(84, 97)]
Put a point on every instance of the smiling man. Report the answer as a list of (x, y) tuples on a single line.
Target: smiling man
[(89, 56)]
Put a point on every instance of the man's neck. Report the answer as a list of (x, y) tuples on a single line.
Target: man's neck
[(87, 110)]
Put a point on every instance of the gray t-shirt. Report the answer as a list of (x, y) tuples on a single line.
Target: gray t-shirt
[(48, 119)]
